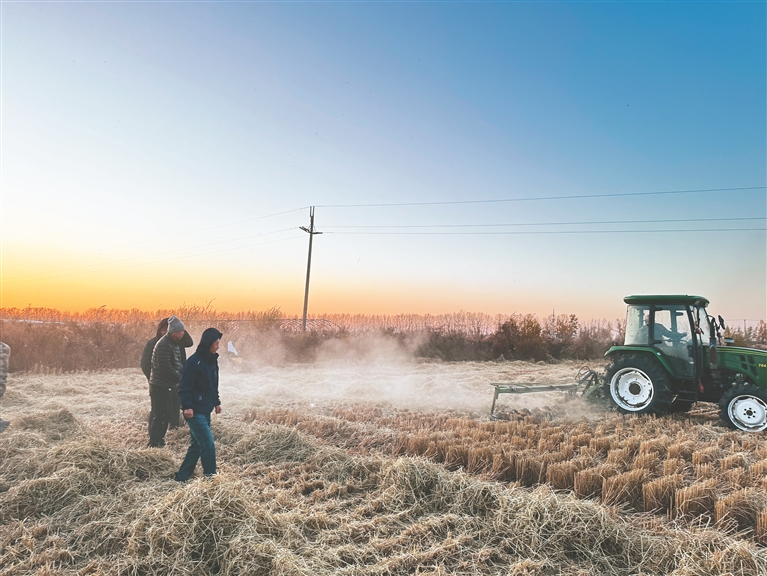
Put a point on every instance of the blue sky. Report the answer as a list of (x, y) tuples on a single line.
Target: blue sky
[(137, 138)]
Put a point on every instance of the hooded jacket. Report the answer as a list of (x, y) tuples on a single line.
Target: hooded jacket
[(167, 362), (198, 388), (146, 355)]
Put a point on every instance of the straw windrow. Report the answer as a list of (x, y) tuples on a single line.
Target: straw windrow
[(336, 492)]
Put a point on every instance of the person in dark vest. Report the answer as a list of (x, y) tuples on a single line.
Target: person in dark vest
[(146, 355), (198, 391), (146, 365), (167, 363)]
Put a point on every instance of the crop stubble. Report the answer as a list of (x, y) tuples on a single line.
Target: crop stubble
[(369, 489)]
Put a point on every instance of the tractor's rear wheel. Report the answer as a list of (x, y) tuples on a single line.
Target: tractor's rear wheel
[(638, 385), (744, 407)]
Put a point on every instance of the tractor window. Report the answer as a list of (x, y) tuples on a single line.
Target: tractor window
[(672, 337), (637, 329), (702, 326)]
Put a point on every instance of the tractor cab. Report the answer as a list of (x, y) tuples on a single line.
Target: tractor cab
[(676, 329)]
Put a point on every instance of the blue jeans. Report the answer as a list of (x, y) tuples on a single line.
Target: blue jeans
[(200, 448)]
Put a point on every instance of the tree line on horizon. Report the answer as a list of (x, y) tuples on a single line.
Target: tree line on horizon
[(103, 338)]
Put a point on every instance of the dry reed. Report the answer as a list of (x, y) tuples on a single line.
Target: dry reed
[(682, 450), (625, 488), (588, 483), (761, 527), (742, 508), (658, 495), (706, 455), (674, 466), (696, 500)]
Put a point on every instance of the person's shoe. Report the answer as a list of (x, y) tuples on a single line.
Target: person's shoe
[(177, 479)]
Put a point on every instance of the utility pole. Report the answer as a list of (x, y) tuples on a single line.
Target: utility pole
[(311, 231)]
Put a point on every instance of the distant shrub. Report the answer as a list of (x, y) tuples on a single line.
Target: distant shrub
[(454, 347), (44, 338), (560, 332), (751, 336), (592, 340), (520, 338), (70, 346)]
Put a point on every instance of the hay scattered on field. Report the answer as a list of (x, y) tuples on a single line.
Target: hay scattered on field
[(54, 425), (371, 490), (288, 504)]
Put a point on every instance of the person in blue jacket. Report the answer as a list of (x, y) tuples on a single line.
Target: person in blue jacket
[(198, 390)]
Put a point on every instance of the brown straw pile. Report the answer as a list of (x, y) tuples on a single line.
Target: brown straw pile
[(78, 498)]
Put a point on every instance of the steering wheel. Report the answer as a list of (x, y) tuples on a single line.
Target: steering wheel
[(676, 337)]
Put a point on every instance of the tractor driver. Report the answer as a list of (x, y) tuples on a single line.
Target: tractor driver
[(659, 333), (675, 344)]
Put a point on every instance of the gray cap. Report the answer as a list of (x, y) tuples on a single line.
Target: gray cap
[(174, 325)]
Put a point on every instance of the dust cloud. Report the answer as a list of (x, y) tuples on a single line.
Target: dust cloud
[(382, 371), (360, 371)]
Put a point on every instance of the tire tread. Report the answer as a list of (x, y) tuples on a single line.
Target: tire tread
[(662, 394)]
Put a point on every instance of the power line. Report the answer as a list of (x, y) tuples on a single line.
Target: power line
[(587, 222), (535, 199), (41, 276), (520, 233), (457, 202)]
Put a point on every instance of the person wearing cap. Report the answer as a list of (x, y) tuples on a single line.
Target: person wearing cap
[(198, 391), (167, 363), (146, 364)]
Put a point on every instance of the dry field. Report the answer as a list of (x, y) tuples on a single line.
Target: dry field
[(369, 468)]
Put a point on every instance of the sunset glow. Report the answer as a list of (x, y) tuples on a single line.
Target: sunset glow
[(161, 154)]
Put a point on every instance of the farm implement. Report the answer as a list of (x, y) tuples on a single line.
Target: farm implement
[(587, 384), (671, 358)]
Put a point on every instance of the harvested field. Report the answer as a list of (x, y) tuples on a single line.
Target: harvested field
[(375, 469)]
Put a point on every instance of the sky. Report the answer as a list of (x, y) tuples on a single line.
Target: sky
[(492, 157)]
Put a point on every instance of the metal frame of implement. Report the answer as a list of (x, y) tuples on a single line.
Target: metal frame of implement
[(586, 380)]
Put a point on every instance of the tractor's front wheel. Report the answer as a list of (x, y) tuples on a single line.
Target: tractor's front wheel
[(638, 385), (744, 407)]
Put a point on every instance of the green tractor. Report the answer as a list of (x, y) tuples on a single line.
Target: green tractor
[(670, 360)]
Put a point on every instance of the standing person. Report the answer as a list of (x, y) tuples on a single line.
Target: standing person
[(146, 365), (5, 354), (146, 355), (167, 362), (199, 397)]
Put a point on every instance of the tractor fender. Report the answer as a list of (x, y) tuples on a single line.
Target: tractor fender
[(643, 350)]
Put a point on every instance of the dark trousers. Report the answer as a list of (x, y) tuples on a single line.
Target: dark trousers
[(175, 411), (201, 447), (163, 399)]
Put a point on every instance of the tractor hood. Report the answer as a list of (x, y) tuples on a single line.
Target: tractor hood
[(750, 362), (742, 350)]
